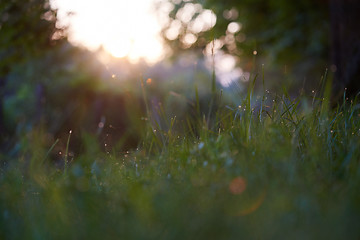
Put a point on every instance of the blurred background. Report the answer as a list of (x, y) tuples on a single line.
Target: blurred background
[(81, 65)]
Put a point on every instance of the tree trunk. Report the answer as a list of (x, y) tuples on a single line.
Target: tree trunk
[(2, 122), (345, 29)]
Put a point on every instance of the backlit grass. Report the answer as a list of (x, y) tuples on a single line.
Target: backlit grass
[(270, 168)]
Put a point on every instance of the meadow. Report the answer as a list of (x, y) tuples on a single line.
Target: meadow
[(271, 167)]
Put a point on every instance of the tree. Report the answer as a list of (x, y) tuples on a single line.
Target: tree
[(346, 45), (27, 29), (292, 33)]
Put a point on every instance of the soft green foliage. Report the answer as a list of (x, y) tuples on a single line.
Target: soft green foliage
[(293, 36), (28, 34), (46, 82), (287, 30), (28, 29), (271, 168)]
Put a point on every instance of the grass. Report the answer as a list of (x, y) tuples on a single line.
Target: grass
[(271, 168)]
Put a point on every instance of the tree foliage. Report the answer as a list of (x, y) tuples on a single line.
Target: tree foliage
[(27, 28), (44, 79), (285, 32), (48, 83)]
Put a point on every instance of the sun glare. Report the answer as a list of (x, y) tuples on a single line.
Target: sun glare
[(118, 47), (124, 28)]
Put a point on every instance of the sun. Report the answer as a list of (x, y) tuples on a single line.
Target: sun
[(119, 48), (123, 28)]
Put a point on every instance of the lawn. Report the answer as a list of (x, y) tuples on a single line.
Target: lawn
[(274, 167)]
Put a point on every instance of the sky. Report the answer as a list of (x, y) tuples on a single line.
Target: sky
[(125, 28)]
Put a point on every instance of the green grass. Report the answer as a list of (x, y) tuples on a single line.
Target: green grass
[(272, 168)]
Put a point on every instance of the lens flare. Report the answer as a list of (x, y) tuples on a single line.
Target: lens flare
[(237, 186)]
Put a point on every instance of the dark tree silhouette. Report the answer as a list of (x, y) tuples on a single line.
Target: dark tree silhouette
[(345, 34), (27, 29)]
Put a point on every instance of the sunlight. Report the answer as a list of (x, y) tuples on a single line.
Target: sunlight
[(123, 28), (118, 47)]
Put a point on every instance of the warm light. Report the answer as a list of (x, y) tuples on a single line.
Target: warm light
[(118, 48), (148, 81), (124, 28)]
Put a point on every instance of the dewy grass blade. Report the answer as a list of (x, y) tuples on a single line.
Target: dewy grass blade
[(67, 153), (49, 151)]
